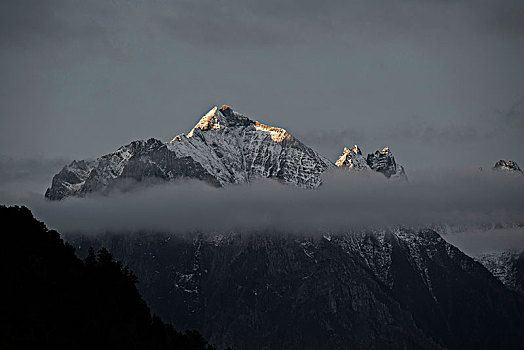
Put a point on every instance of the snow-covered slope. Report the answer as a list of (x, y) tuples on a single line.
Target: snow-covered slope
[(236, 149), (224, 147), (380, 161)]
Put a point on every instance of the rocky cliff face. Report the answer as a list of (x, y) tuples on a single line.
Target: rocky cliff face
[(352, 159), (395, 289), (384, 162), (507, 266), (224, 147), (143, 161), (380, 161)]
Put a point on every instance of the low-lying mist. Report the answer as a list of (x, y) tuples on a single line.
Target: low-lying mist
[(344, 201)]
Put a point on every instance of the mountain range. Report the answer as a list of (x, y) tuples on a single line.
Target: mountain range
[(381, 289), (394, 288), (224, 147)]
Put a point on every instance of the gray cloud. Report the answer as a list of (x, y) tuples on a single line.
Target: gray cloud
[(508, 18), (28, 170), (26, 177), (230, 23), (515, 116), (466, 199), (219, 23), (331, 142), (79, 79), (245, 23), (343, 202), (475, 242), (28, 22)]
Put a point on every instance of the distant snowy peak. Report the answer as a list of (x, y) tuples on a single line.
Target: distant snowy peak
[(224, 147), (507, 166), (352, 159), (380, 161)]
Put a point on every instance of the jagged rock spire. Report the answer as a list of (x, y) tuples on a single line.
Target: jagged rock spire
[(380, 161), (509, 166), (352, 158), (384, 162)]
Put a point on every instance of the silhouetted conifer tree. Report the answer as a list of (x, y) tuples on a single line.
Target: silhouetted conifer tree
[(52, 299)]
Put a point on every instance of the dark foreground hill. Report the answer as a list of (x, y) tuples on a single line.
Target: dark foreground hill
[(51, 299), (383, 289)]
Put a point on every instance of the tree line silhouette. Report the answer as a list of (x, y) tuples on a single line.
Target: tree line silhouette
[(53, 299)]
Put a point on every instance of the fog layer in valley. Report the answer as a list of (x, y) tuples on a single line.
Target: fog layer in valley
[(468, 196)]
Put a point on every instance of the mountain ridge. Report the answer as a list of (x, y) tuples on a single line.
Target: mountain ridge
[(380, 161), (394, 289), (224, 147)]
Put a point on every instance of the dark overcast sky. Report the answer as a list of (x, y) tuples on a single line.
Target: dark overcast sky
[(440, 82)]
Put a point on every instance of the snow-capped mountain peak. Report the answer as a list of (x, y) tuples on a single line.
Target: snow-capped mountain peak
[(236, 149), (208, 121), (224, 147), (226, 117)]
